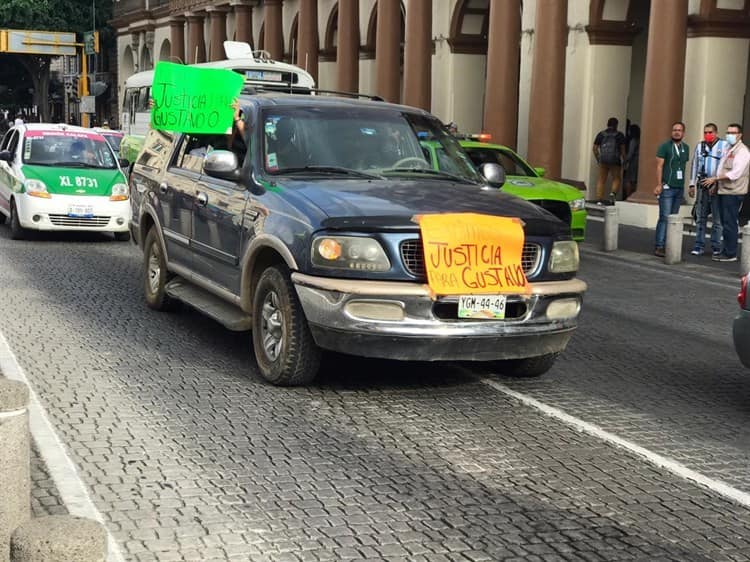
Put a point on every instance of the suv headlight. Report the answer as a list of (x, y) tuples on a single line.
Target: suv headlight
[(36, 188), (349, 252), (564, 257), (119, 192), (577, 204)]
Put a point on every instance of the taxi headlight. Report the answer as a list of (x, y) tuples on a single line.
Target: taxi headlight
[(564, 257), (36, 188), (577, 204), (119, 192), (349, 252)]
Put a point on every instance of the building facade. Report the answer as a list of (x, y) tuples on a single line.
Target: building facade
[(539, 75)]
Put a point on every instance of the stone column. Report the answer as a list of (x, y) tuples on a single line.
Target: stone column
[(548, 86), (308, 45), (418, 54), (347, 50), (274, 34), (503, 56), (662, 89), (243, 17), (177, 39), (196, 43), (218, 33), (387, 50)]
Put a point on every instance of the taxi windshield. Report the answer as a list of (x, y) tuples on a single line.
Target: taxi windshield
[(511, 163), (358, 141), (67, 149)]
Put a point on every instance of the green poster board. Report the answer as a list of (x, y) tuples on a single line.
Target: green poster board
[(193, 100)]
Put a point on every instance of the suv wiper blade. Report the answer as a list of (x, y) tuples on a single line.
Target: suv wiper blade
[(328, 170), (429, 172)]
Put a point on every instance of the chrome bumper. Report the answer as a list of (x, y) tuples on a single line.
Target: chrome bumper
[(362, 318)]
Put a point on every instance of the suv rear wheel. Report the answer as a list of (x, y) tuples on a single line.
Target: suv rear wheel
[(155, 274), (528, 367), (284, 347)]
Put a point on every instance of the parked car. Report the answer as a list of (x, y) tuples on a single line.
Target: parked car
[(741, 327), (310, 240), (61, 177), (562, 200)]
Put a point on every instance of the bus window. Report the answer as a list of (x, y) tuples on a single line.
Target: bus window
[(143, 96)]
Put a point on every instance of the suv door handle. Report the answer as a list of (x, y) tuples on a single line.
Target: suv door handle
[(201, 199), (163, 187)]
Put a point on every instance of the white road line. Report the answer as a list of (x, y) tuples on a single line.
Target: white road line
[(63, 472), (676, 468)]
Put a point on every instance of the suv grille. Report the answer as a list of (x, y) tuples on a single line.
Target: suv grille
[(412, 255), (86, 222)]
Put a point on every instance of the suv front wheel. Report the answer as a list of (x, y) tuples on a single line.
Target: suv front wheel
[(283, 345), (155, 275)]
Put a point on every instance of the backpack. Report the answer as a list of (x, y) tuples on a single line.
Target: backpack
[(609, 150)]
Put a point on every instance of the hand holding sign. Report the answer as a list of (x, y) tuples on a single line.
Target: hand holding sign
[(470, 254), (193, 100)]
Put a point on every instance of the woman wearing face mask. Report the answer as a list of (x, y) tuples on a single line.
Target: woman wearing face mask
[(732, 179)]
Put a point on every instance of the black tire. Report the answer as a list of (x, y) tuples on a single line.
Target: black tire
[(3, 218), (155, 274), (292, 357), (122, 236), (528, 367), (17, 232)]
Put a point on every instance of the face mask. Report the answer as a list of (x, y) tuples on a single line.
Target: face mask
[(709, 137), (731, 139)]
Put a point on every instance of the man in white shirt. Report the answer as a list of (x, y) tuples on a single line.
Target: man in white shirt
[(732, 178)]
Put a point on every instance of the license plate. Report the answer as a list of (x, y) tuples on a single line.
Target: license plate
[(482, 306), (81, 211)]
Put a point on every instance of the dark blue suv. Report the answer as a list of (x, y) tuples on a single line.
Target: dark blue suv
[(308, 238)]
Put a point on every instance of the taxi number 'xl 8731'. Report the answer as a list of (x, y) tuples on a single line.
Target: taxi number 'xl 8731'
[(58, 177)]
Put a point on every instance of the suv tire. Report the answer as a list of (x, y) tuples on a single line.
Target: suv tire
[(528, 367), (284, 347), (17, 232), (155, 274)]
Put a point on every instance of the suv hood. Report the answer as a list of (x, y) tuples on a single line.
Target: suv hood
[(356, 204)]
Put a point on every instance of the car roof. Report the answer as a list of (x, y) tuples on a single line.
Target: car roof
[(479, 144), (55, 127), (266, 99)]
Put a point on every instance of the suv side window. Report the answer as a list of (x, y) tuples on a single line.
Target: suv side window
[(193, 150)]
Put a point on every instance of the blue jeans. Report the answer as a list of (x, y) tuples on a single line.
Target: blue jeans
[(730, 222), (707, 203), (669, 204)]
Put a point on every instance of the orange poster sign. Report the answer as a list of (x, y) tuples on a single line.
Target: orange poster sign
[(470, 254)]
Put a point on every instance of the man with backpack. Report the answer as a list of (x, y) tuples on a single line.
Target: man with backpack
[(609, 151)]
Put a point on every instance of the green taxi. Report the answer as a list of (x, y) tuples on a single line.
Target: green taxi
[(564, 201)]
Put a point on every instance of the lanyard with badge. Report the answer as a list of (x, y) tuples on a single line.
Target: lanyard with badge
[(678, 152)]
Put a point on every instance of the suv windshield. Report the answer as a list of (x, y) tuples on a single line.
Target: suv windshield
[(372, 141), (67, 148)]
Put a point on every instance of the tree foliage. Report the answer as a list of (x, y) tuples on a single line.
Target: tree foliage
[(54, 15)]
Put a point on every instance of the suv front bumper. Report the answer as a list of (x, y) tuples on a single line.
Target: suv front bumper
[(399, 320)]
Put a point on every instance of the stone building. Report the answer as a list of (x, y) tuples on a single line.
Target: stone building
[(540, 75)]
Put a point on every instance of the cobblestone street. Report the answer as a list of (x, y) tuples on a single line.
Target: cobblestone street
[(188, 455)]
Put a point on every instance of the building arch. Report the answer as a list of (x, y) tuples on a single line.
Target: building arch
[(147, 60), (165, 51), (368, 49), (127, 66), (469, 27), (329, 53)]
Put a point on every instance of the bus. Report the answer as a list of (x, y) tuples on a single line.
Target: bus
[(257, 67)]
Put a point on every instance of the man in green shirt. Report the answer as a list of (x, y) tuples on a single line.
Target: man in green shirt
[(671, 159)]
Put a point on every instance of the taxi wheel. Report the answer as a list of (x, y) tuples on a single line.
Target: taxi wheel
[(155, 274), (284, 347), (528, 367), (17, 232)]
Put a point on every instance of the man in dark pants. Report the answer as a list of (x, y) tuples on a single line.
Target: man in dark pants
[(671, 158)]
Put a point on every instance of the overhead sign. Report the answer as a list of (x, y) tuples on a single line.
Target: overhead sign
[(193, 100), (37, 42), (471, 254)]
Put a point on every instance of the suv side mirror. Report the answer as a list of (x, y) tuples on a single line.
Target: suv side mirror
[(222, 164), (540, 172), (493, 173), (6, 156)]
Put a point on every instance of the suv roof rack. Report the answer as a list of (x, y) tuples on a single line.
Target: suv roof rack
[(346, 94), (253, 89)]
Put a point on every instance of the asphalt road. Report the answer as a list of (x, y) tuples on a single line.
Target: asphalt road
[(189, 455)]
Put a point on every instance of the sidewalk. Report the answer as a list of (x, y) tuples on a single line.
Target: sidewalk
[(637, 244)]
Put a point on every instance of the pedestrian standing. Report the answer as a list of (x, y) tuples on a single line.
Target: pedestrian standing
[(671, 159), (630, 166), (708, 154), (609, 152), (732, 178)]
